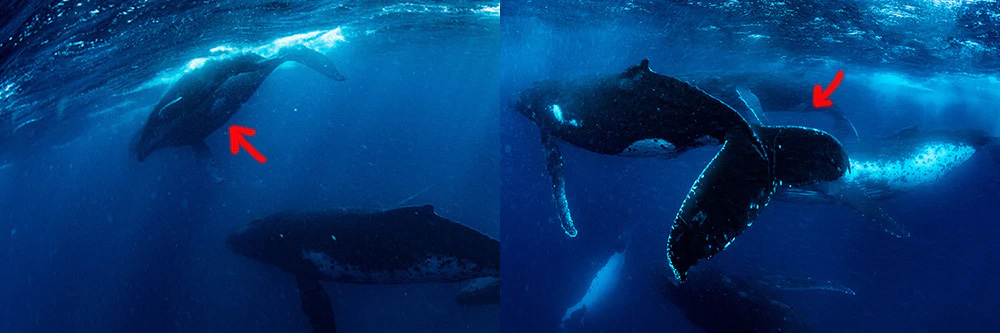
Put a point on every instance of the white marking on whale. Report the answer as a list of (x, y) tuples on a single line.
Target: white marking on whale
[(171, 103), (926, 165), (435, 268), (557, 112), (650, 148)]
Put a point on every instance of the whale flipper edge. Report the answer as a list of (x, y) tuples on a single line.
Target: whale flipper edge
[(720, 205), (554, 166), (855, 197), (316, 305)]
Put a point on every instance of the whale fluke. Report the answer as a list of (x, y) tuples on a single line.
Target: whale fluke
[(739, 182), (724, 200)]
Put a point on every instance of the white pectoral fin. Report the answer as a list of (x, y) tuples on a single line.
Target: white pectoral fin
[(855, 198), (554, 166)]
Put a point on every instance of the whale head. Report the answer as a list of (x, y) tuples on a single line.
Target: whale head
[(266, 240), (803, 156)]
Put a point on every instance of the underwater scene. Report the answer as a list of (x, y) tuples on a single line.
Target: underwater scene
[(750, 166), (486, 166), (367, 165)]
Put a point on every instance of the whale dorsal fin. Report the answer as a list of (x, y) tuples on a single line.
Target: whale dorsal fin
[(642, 67), (426, 209)]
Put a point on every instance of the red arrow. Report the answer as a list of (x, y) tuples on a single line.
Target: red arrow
[(821, 97), (236, 140)]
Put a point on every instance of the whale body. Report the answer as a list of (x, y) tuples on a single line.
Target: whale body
[(405, 245), (639, 113), (885, 168), (205, 98)]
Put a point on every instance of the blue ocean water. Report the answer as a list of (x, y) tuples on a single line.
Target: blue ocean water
[(94, 241), (927, 63)]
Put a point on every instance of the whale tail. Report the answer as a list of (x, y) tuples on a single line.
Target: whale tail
[(723, 201), (312, 59), (739, 182)]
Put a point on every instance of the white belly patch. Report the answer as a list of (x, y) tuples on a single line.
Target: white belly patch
[(433, 269), (650, 148)]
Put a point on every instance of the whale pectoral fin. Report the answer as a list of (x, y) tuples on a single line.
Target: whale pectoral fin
[(855, 197), (753, 104), (484, 290), (802, 284), (843, 125), (314, 60), (204, 157), (316, 305), (723, 201), (554, 165)]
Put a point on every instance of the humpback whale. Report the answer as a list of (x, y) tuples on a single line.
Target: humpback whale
[(603, 284), (754, 94), (640, 113), (203, 100), (885, 168), (720, 302), (405, 245)]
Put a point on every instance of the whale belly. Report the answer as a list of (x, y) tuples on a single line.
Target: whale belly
[(433, 268), (651, 148), (926, 164)]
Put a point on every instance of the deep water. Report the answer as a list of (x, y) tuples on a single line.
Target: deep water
[(94, 241), (926, 63)]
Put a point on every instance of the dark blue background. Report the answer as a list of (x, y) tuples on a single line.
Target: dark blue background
[(940, 279), (93, 241)]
